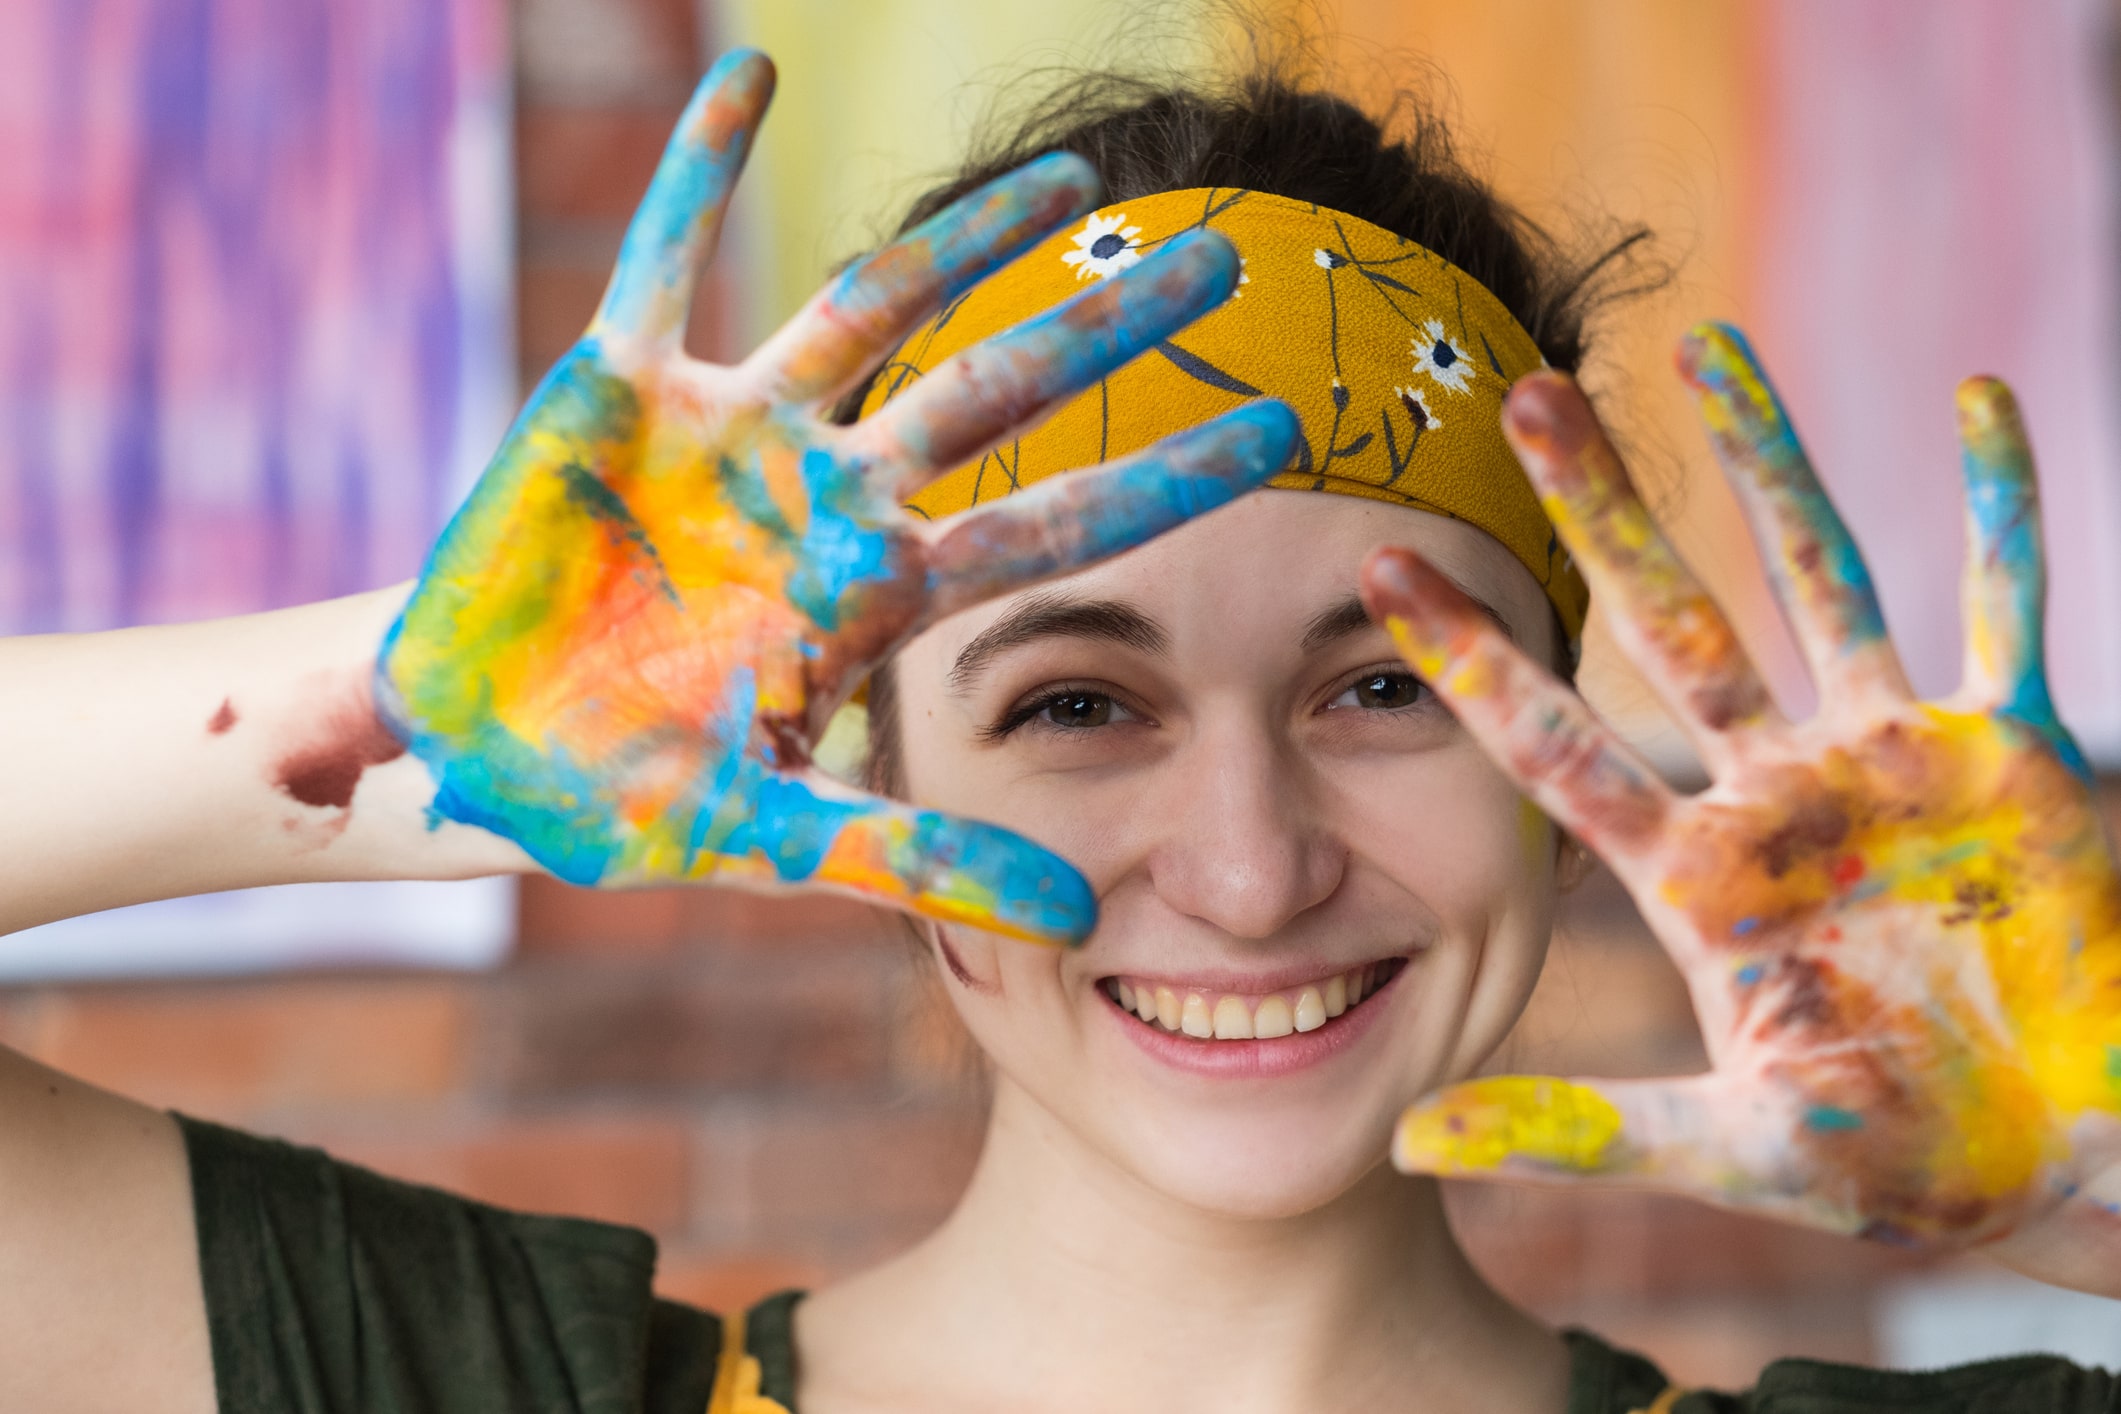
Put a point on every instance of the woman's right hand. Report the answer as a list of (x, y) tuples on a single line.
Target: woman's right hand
[(625, 643)]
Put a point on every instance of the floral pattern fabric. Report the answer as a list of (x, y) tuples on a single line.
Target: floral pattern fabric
[(1395, 360)]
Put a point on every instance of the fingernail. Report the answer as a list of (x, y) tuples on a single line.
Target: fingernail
[(1987, 410), (1004, 883), (1547, 410), (1710, 350), (1064, 170), (1204, 253), (1272, 429)]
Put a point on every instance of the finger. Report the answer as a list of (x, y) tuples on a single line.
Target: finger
[(1818, 574), (976, 398), (1078, 518), (876, 302), (1703, 1136), (1538, 731), (2005, 584), (1655, 609), (802, 830), (674, 230), (2005, 587)]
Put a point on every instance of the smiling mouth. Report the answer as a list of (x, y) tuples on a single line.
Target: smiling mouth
[(1225, 1016)]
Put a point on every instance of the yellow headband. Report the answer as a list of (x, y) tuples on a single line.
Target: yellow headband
[(1394, 358)]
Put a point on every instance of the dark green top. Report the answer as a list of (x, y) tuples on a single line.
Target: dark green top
[(331, 1290)]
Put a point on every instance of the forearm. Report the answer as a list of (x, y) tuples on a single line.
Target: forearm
[(157, 762)]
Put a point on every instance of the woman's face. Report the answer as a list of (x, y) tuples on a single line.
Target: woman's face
[(1296, 850)]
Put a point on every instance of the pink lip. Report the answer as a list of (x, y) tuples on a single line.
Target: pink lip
[(1255, 1060)]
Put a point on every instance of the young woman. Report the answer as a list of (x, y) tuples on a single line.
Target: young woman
[(1304, 892)]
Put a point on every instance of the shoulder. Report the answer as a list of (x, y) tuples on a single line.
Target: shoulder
[(323, 1277)]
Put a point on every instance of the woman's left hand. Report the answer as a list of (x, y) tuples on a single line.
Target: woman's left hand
[(1900, 921)]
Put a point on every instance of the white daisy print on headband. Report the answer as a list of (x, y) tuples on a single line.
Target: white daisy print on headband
[(1102, 247), (1441, 358)]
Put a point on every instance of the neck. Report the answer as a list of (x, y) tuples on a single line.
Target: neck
[(1061, 1274)]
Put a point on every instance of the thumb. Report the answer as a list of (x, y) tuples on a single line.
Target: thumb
[(806, 831), (1705, 1136)]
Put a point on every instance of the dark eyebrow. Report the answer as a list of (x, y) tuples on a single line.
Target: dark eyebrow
[(1057, 615), (1347, 615)]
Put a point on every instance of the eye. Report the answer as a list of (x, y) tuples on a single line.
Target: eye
[(1381, 690), (1063, 709), (1076, 710)]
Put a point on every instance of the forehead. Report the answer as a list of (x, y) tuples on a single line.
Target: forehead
[(1261, 568)]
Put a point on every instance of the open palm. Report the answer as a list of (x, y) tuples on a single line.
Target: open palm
[(624, 644), (1900, 921)]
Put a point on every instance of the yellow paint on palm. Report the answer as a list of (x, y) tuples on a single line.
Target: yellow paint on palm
[(1984, 877), (1483, 1125)]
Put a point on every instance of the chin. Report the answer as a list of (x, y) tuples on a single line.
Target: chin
[(1262, 1166)]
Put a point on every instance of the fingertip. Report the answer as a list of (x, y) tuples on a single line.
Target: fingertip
[(1274, 430), (1430, 1138), (1988, 412), (1406, 595), (1546, 411), (1210, 257), (1219, 460), (1244, 447), (1731, 388), (1710, 346), (996, 879), (1059, 910), (1410, 1154), (1387, 580), (1066, 172), (1399, 583), (1483, 1125), (747, 73)]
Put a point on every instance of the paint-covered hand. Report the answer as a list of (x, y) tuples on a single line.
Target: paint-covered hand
[(1900, 920), (624, 644)]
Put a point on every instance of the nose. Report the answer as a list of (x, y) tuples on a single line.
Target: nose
[(1241, 845)]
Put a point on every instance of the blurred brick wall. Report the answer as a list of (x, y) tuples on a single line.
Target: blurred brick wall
[(769, 1087)]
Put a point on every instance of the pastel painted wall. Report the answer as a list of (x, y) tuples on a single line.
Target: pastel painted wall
[(253, 264), (1937, 199), (1891, 195), (254, 341), (876, 99)]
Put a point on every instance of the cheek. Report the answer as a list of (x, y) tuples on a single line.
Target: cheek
[(1456, 834), (1481, 859), (1009, 994)]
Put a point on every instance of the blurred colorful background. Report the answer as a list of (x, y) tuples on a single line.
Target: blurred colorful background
[(256, 321)]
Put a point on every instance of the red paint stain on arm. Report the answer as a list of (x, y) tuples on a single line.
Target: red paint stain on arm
[(348, 739)]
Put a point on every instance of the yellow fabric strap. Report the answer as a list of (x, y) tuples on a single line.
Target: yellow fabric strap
[(1394, 358), (737, 1376)]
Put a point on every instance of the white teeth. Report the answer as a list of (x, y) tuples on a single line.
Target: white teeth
[(1233, 1018), (1232, 1021), (1167, 1008)]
